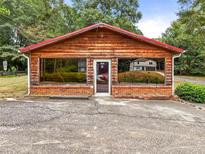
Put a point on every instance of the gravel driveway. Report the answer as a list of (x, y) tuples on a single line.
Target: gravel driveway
[(100, 125)]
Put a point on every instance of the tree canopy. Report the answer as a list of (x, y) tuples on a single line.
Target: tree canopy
[(188, 32), (29, 21), (37, 20), (121, 13), (23, 22)]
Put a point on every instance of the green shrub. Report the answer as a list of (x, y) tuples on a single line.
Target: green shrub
[(65, 77), (70, 68), (141, 77), (191, 92)]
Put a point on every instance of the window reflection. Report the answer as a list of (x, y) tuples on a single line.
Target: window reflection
[(72, 70), (141, 70)]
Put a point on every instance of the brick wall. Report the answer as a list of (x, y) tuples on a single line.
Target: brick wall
[(147, 92), (49, 90)]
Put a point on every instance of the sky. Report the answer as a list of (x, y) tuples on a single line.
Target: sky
[(157, 16)]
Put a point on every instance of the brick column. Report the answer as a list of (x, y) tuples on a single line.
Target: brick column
[(114, 71), (35, 66), (90, 71), (168, 70)]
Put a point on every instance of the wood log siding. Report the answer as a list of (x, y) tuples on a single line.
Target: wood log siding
[(100, 44)]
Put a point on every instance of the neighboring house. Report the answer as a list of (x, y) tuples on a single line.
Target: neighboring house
[(143, 64), (85, 62)]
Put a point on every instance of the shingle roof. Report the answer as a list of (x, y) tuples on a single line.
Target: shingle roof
[(102, 25)]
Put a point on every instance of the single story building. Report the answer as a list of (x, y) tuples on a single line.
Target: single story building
[(88, 62)]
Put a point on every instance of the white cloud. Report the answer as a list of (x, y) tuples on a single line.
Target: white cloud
[(155, 26)]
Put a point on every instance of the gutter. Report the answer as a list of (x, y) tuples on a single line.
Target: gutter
[(175, 56), (28, 72)]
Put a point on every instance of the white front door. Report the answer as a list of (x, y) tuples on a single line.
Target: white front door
[(102, 77)]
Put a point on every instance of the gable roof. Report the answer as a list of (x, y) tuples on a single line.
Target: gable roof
[(101, 25)]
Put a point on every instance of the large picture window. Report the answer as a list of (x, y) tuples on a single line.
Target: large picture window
[(72, 70), (141, 70)]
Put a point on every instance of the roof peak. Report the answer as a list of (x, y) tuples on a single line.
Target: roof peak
[(101, 25)]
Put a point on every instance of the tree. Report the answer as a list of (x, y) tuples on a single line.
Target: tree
[(29, 22), (23, 22), (189, 34), (15, 60), (39, 20), (121, 13), (3, 10)]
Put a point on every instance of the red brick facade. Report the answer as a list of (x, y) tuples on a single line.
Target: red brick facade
[(50, 90), (101, 44), (146, 92)]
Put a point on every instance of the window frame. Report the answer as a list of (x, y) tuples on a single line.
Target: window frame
[(62, 83), (142, 83)]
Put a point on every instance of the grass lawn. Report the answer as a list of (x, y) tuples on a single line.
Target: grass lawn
[(13, 86)]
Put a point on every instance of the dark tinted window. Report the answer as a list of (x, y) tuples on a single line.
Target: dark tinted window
[(72, 70), (141, 70)]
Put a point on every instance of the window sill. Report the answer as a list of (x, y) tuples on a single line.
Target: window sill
[(61, 84), (140, 85)]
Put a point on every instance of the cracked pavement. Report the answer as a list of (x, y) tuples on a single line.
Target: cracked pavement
[(100, 125)]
